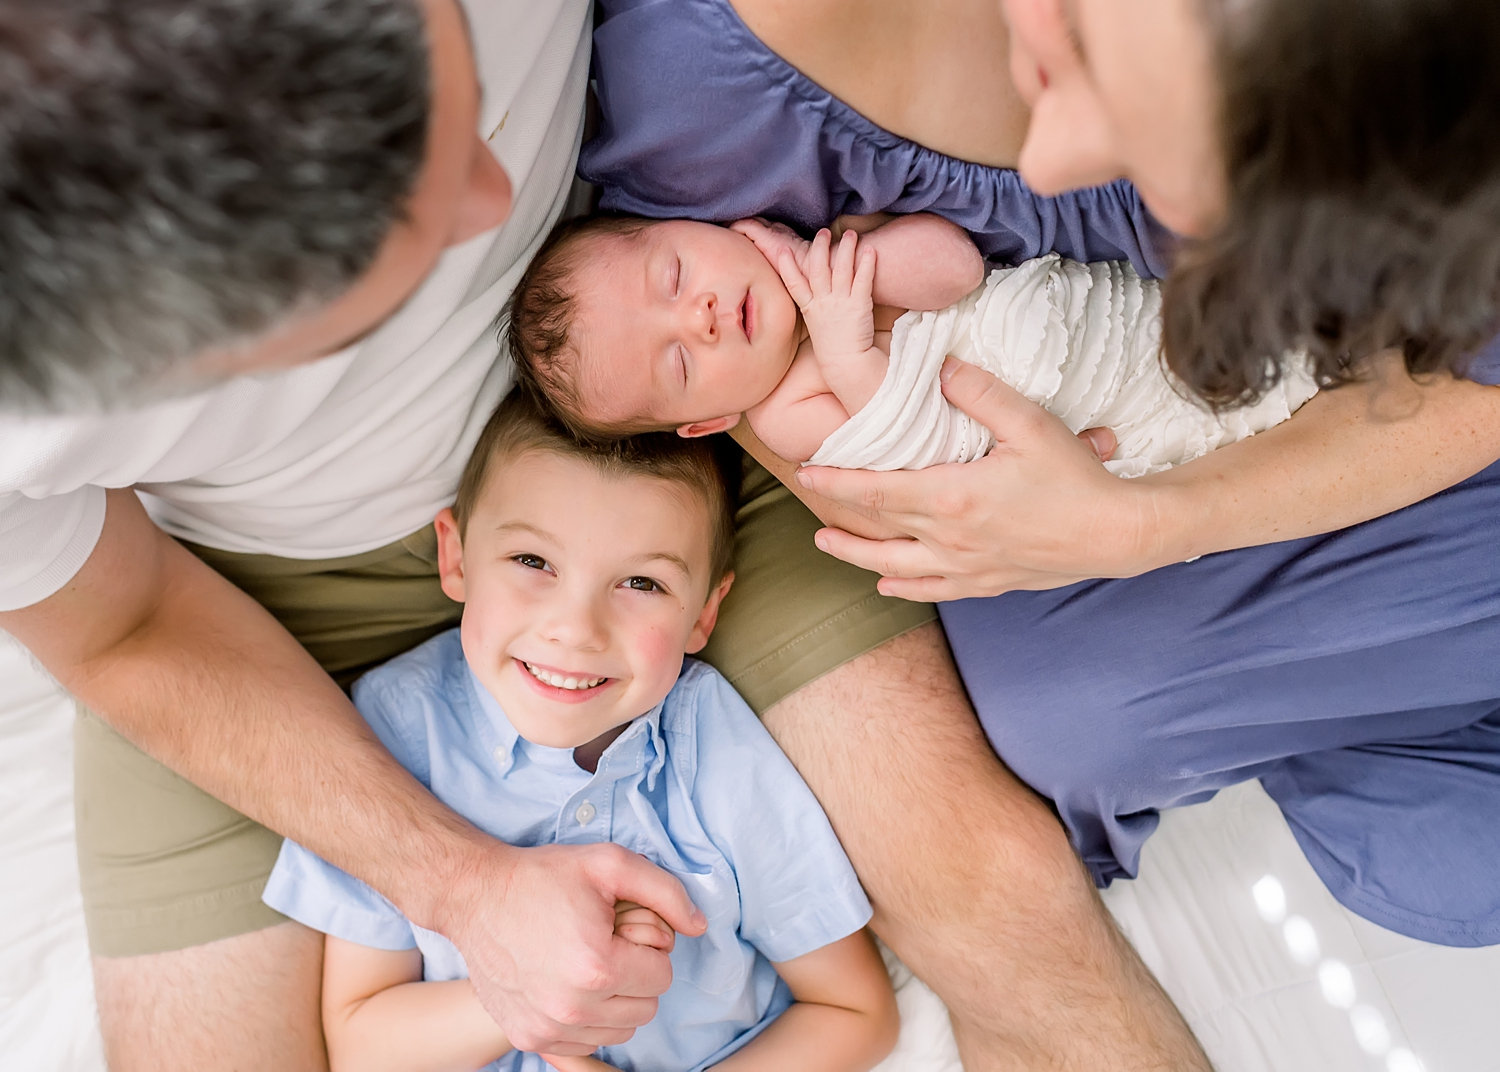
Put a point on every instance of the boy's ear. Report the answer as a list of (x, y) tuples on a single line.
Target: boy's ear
[(450, 555), (704, 626), (703, 428)]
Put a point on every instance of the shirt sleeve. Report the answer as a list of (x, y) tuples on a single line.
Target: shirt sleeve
[(45, 542), (798, 891), (312, 891)]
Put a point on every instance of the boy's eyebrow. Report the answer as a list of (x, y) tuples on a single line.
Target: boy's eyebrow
[(664, 556), (526, 526)]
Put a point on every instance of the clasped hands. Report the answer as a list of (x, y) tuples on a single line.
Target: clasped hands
[(560, 948)]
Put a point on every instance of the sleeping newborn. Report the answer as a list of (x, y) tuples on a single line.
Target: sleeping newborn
[(831, 350)]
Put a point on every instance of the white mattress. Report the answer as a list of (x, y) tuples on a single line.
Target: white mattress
[(1270, 971)]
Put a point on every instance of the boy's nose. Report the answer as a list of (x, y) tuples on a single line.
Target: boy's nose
[(576, 624)]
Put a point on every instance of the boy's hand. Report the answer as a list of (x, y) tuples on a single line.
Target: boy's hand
[(772, 238), (834, 294), (638, 924)]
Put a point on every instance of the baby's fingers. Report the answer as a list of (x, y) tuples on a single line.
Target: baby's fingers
[(843, 263), (793, 279), (864, 274), (818, 256)]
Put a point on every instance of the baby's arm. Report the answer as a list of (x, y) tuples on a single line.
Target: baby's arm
[(844, 1018), (834, 293), (379, 1016), (924, 261)]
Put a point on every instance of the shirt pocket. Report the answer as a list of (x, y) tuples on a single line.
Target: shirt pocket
[(716, 961)]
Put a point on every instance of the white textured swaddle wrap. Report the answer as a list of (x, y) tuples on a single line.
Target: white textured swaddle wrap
[(1083, 340)]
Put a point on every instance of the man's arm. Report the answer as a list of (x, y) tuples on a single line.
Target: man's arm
[(198, 675)]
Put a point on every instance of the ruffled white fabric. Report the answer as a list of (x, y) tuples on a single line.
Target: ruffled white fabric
[(1083, 340)]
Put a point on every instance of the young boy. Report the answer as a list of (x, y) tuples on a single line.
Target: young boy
[(833, 351), (562, 710)]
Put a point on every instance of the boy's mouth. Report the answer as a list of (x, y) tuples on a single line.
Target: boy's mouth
[(559, 680)]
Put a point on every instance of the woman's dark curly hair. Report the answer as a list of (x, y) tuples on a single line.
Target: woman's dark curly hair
[(1362, 143)]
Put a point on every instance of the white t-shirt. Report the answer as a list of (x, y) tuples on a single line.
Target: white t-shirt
[(357, 449)]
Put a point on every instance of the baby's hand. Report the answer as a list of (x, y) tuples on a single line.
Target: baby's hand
[(772, 238), (834, 293), (642, 926)]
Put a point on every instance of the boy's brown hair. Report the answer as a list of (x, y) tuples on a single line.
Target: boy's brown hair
[(540, 319), (524, 421)]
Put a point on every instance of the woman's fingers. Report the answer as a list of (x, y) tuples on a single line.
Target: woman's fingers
[(890, 558)]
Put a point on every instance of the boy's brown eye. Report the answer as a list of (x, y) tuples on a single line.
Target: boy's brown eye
[(643, 584), (536, 562)]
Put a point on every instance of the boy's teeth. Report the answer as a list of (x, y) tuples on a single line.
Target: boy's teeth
[(560, 681)]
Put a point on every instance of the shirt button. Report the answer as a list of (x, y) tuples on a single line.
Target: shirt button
[(585, 813), (502, 757)]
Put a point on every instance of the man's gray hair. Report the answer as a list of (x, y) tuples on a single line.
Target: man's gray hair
[(180, 175)]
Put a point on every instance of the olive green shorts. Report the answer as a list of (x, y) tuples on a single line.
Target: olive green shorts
[(165, 866)]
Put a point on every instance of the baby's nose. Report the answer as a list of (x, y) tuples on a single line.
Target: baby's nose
[(705, 315)]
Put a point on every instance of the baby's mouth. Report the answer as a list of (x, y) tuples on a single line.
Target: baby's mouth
[(571, 682), (747, 316)]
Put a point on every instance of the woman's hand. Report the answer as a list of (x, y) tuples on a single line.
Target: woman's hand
[(1039, 511)]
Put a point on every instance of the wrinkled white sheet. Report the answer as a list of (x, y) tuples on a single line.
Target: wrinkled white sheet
[(1270, 971), (1082, 340)]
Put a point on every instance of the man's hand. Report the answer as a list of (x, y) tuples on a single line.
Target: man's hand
[(541, 945)]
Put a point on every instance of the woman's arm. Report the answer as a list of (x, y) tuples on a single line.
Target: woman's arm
[(379, 1016), (1041, 512), (844, 1018)]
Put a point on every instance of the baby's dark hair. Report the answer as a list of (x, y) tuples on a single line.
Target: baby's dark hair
[(541, 317), (524, 421)]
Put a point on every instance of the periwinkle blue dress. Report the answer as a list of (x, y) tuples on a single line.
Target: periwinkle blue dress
[(1355, 674)]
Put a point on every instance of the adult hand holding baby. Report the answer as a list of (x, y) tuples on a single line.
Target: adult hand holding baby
[(1039, 511)]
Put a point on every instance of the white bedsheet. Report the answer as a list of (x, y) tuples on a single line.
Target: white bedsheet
[(1272, 973)]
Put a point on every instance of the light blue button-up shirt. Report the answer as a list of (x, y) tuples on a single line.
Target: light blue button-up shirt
[(696, 785)]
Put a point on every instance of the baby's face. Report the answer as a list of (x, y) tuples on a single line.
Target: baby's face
[(682, 323)]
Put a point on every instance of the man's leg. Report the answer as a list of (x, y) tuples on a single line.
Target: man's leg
[(973, 881), (247, 1002), (192, 972), (974, 884)]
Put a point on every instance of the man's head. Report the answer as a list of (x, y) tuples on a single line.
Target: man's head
[(196, 188), (586, 572), (628, 325)]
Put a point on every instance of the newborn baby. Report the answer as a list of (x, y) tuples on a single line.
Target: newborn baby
[(831, 350)]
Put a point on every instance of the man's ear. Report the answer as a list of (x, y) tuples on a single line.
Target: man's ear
[(704, 626), (450, 555), (703, 428)]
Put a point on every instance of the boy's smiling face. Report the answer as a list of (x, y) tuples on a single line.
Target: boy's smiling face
[(582, 590), (682, 323)]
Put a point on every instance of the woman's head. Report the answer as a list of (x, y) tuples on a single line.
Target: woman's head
[(1335, 164)]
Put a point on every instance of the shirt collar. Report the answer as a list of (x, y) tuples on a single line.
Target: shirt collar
[(640, 747)]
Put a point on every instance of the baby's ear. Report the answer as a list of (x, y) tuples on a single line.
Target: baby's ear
[(703, 428)]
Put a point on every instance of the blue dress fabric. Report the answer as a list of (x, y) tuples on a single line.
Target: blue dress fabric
[(698, 118), (1355, 674)]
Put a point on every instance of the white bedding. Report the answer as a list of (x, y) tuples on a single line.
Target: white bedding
[(1272, 973)]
